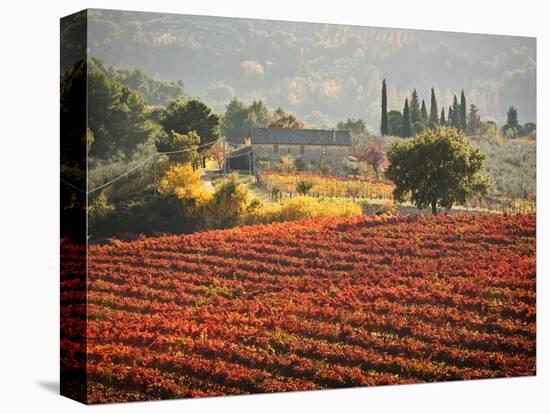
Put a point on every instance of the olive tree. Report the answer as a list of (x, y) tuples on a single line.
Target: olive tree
[(439, 167)]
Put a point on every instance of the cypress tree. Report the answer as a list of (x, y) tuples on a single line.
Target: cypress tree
[(463, 122), (442, 119), (384, 121), (450, 116), (455, 120), (474, 121), (415, 108), (406, 129), (424, 112), (433, 111)]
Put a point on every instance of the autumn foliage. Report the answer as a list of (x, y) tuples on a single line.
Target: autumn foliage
[(306, 305)]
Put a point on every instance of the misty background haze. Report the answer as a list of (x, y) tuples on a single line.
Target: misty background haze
[(321, 72)]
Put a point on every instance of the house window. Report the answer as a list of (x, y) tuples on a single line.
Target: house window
[(302, 149), (275, 149), (324, 150)]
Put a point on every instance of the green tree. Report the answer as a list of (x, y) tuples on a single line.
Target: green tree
[(489, 129), (395, 123), (423, 112), (73, 166), (415, 108), (236, 121), (193, 115), (355, 125), (434, 116), (442, 120), (406, 126), (417, 127), (463, 119), (73, 119), (473, 121), (455, 120), (155, 92), (384, 120), (437, 168), (512, 117), (450, 116), (259, 114), (117, 117), (174, 141), (528, 128), (512, 129)]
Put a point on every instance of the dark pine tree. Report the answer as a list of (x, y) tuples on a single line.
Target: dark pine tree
[(455, 119), (384, 121), (424, 112), (450, 116), (433, 110), (442, 118), (406, 129), (463, 121), (415, 108)]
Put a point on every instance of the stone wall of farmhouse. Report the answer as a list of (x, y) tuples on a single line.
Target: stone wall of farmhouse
[(314, 154)]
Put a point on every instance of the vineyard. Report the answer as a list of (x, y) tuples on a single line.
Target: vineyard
[(327, 185), (306, 305)]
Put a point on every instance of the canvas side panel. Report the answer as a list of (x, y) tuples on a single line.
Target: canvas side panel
[(73, 171)]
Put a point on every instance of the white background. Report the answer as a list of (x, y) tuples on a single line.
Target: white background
[(29, 223)]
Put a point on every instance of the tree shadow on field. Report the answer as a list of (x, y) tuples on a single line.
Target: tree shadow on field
[(51, 386)]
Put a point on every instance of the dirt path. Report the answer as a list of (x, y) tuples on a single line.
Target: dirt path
[(206, 177)]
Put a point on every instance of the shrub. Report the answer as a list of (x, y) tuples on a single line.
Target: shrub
[(351, 167), (229, 204), (101, 212), (148, 214), (264, 164), (303, 186), (325, 167), (286, 165), (300, 164)]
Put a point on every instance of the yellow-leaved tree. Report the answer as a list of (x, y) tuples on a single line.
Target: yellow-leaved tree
[(184, 182)]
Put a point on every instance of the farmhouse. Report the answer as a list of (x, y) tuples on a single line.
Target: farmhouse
[(311, 145)]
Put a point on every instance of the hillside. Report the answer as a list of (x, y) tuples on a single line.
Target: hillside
[(322, 72), (308, 305)]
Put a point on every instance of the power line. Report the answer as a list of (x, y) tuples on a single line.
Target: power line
[(134, 168), (72, 186), (123, 174)]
